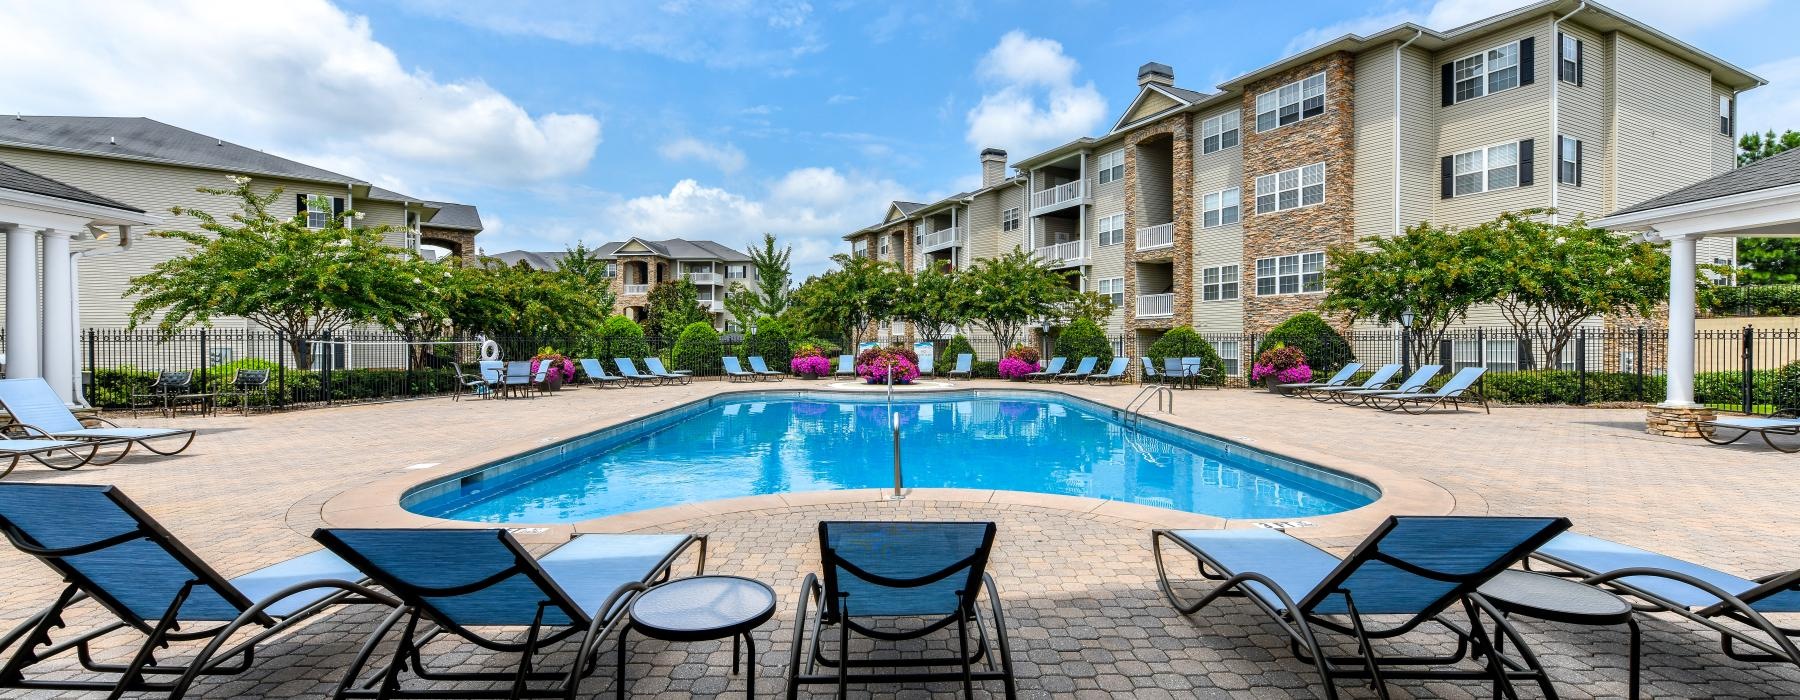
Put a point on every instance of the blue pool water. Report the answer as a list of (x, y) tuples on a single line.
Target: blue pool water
[(778, 442)]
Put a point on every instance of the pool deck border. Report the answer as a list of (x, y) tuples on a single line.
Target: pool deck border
[(377, 504)]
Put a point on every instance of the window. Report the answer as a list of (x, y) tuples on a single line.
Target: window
[(1219, 283), (1112, 166), (1219, 133), (1290, 274), (884, 245), (1568, 161), (1301, 99), (1568, 59), (1290, 189), (1009, 219), (1486, 73), (1219, 208), (318, 211), (734, 272), (1112, 229), (1725, 114), (1228, 351), (1113, 288), (1485, 169)]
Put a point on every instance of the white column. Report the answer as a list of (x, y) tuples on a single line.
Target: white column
[(1681, 323), (59, 316), (21, 304)]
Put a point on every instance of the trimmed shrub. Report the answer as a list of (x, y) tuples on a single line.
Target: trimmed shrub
[(1759, 300), (697, 350), (825, 347), (1787, 387), (1325, 350), (622, 337), (771, 342), (957, 346), (1083, 338), (1184, 342)]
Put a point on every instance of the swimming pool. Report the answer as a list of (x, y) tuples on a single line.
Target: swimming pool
[(785, 441)]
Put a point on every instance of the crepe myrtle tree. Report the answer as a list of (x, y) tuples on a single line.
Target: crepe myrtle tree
[(1427, 272), (926, 302), (846, 300), (1004, 295), (302, 282)]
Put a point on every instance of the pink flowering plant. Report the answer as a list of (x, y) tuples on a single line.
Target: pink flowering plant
[(559, 364), (873, 364), (1286, 364), (1014, 368), (810, 365)]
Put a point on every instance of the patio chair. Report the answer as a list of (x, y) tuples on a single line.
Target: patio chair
[(655, 365), (1409, 571), (1114, 371), (1082, 370), (108, 551), (1413, 385), (1055, 367), (629, 370), (761, 368), (735, 372), (896, 582), (38, 412), (1201, 375), (928, 365), (494, 371), (474, 385), (1380, 378), (965, 366), (1150, 373), (540, 379), (1460, 389), (517, 378), (1782, 422), (1340, 379), (163, 392), (246, 383), (846, 365), (466, 582), (596, 374), (1712, 598), (1177, 371)]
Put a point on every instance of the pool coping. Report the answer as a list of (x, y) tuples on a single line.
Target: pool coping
[(378, 503)]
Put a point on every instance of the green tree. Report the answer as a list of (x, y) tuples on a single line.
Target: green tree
[(844, 301), (1767, 260), (1004, 294), (671, 307), (767, 294), (697, 349), (927, 302), (1184, 342), (1092, 306), (1083, 338), (958, 345), (275, 271), (622, 337), (1325, 350), (1428, 271), (1753, 147), (522, 307), (587, 266)]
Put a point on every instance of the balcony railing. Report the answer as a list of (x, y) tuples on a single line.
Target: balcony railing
[(713, 305), (637, 289), (1158, 236), (1152, 305), (941, 238), (1070, 254), (1059, 197), (704, 277)]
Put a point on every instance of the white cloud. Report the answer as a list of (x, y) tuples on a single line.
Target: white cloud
[(726, 157), (303, 79), (1679, 16), (840, 99), (1035, 102)]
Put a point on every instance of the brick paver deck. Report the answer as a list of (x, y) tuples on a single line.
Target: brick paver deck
[(1085, 616)]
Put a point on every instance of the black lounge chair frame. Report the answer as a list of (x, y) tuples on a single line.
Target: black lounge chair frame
[(1764, 432), (1417, 405), (74, 451), (1302, 628)]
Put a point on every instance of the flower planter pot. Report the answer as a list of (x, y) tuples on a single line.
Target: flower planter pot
[(809, 377), (1273, 385), (553, 382)]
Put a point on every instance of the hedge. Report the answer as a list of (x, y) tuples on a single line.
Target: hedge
[(1084, 339), (1758, 300), (621, 337), (1184, 342), (113, 387), (697, 350), (1325, 350)]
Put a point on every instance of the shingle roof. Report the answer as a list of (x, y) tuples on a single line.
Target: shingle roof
[(147, 139), (678, 249), (1184, 93), (1774, 171), (462, 217), (908, 207), (13, 178), (537, 260)]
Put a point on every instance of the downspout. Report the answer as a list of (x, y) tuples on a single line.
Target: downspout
[(1398, 48), (1556, 114), (75, 259)]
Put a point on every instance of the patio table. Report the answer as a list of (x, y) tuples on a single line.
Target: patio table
[(703, 608)]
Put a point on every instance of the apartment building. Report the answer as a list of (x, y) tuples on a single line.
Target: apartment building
[(637, 266), (154, 167), (1215, 208)]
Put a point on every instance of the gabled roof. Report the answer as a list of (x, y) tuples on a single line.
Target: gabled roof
[(138, 138), (1174, 99), (450, 215), (675, 249), (21, 180), (1775, 171), (535, 260)]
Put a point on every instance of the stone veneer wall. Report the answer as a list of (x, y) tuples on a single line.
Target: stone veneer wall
[(623, 300), (1328, 138), (1179, 129), (462, 242)]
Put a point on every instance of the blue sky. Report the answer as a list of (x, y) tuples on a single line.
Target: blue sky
[(705, 119)]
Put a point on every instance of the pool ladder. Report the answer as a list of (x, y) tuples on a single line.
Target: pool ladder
[(1163, 395)]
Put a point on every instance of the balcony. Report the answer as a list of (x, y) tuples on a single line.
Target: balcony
[(1155, 305), (1059, 197), (713, 278), (637, 289), (1069, 254), (941, 238), (1158, 236), (713, 305)]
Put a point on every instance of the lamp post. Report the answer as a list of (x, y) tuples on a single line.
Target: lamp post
[(1044, 352), (1406, 321)]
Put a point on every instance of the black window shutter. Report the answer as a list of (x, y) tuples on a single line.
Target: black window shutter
[(1449, 81), (1525, 163), (337, 207), (1580, 61), (1447, 186), (299, 204), (1559, 54), (1527, 61), (1559, 158), (1577, 163)]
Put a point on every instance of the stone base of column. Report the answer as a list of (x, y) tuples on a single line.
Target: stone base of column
[(1678, 421)]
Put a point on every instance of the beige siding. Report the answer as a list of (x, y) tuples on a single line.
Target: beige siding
[(1153, 103), (1373, 190), (1582, 114), (1156, 186), (1667, 123), (1219, 245), (1509, 115), (1108, 261)]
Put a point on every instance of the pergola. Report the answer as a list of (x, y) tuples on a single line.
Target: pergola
[(1758, 200)]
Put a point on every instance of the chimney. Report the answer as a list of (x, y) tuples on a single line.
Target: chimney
[(993, 167), (1156, 73)]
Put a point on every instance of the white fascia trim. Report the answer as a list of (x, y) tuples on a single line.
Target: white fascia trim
[(96, 213), (1648, 218)]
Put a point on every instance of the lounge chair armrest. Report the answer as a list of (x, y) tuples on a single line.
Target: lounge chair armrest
[(28, 429), (97, 419)]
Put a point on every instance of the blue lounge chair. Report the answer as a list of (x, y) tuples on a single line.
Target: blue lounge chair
[(1114, 371), (735, 372), (596, 374), (899, 581), (846, 366), (1340, 379), (655, 365), (1782, 422), (69, 454), (1380, 378), (1413, 384), (517, 378), (456, 581), (38, 412), (928, 365), (761, 368), (1413, 568), (1082, 371), (1460, 389), (1702, 594), (965, 366), (109, 552), (1150, 373), (1049, 371), (629, 370)]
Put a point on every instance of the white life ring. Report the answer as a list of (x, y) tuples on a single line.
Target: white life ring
[(490, 350)]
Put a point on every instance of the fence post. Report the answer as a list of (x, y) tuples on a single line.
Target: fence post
[(325, 371), (1581, 365), (1638, 365), (281, 368), (93, 372), (408, 351), (1747, 381), (1481, 357), (202, 388)]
